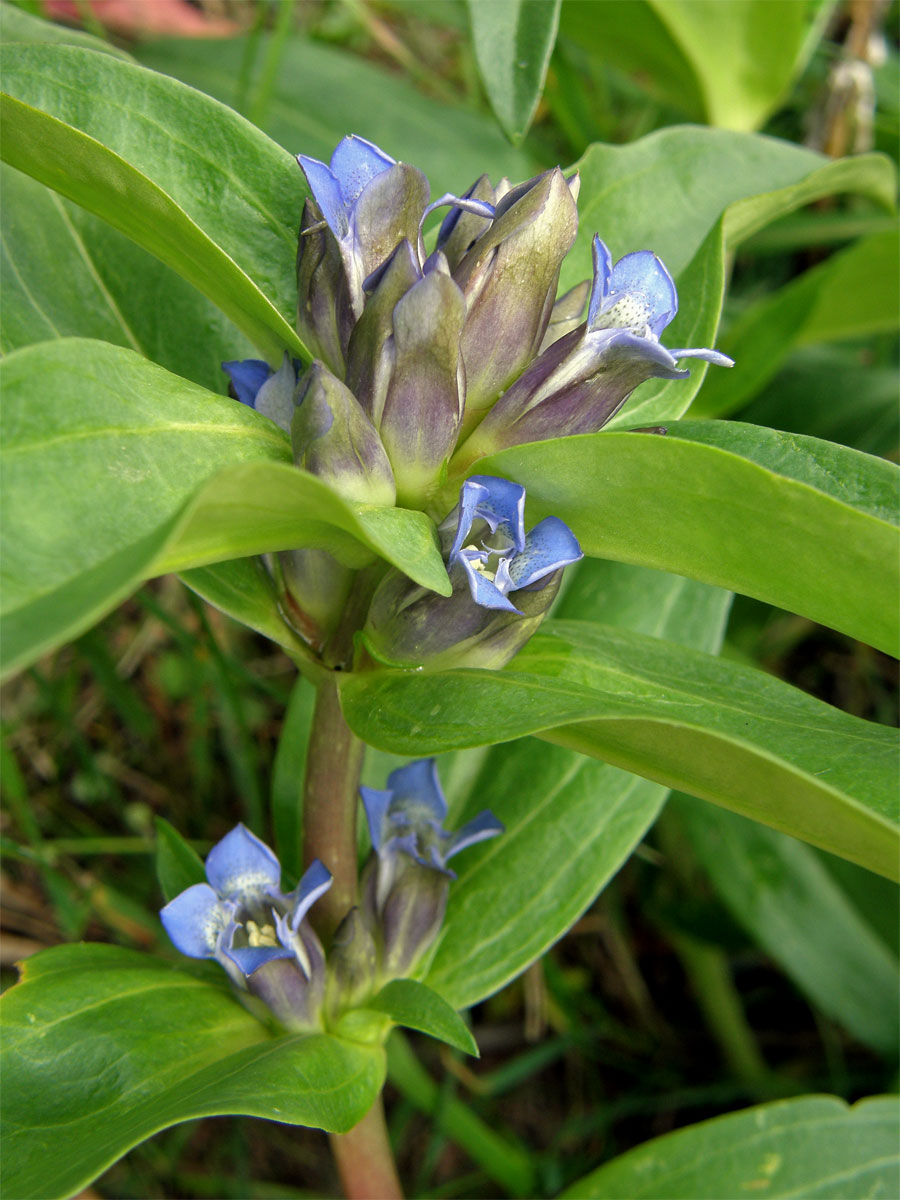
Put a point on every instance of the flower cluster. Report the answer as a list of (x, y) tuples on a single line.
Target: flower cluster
[(427, 362), (263, 937)]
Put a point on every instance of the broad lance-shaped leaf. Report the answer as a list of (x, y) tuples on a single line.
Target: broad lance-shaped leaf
[(145, 447), (571, 821), (513, 41), (812, 1146), (718, 730), (800, 523), (115, 291), (185, 177), (717, 188), (103, 1047)]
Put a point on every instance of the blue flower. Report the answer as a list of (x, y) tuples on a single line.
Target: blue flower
[(269, 392), (336, 188), (369, 203), (408, 818), (582, 379), (257, 933), (492, 548), (637, 296), (406, 882)]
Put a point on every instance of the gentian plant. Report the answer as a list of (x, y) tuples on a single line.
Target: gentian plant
[(394, 428)]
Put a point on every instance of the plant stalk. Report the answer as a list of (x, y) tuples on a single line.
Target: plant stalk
[(364, 1159), (333, 765)]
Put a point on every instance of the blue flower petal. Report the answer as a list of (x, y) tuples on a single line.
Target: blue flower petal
[(710, 356), (504, 504), (241, 867), (355, 163), (194, 921), (316, 881), (247, 377), (484, 826), (376, 804), (250, 958), (549, 546), (483, 591), (417, 783), (602, 272), (641, 295), (327, 194)]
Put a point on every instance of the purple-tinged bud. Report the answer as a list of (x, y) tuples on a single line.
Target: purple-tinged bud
[(333, 438), (406, 882), (352, 961), (423, 403), (405, 367), (324, 315), (370, 357), (258, 934), (582, 380), (504, 581), (509, 278)]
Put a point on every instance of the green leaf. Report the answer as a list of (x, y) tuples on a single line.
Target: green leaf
[(180, 174), (719, 730), (816, 1147), (288, 773), (803, 524), (410, 1003), (693, 195), (19, 26), (743, 54), (570, 821), (666, 191), (103, 1047), (115, 291), (140, 443), (513, 40), (630, 36), (785, 897), (178, 865), (244, 590), (830, 392), (322, 93), (854, 293)]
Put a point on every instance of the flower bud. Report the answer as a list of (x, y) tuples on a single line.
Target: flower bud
[(324, 315), (406, 882), (333, 438), (509, 278)]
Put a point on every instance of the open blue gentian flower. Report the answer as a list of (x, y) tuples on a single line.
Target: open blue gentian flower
[(581, 380), (405, 885), (492, 548), (369, 202), (270, 392), (257, 933)]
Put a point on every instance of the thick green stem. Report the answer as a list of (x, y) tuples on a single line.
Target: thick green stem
[(333, 765), (364, 1159)]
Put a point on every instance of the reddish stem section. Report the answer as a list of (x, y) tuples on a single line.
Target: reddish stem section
[(364, 1159)]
